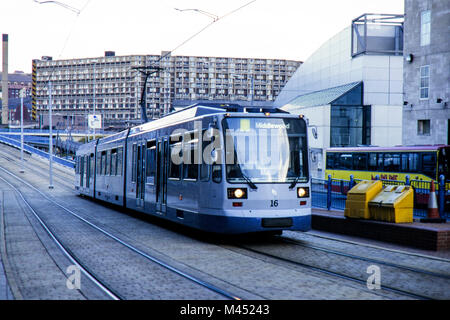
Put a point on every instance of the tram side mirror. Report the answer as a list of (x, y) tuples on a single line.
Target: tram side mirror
[(214, 156)]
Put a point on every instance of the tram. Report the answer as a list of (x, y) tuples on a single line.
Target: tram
[(217, 168)]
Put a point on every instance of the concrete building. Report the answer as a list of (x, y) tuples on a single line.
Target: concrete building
[(426, 110), (16, 82), (351, 88), (113, 85)]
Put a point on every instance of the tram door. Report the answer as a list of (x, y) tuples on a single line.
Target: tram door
[(140, 175), (161, 175)]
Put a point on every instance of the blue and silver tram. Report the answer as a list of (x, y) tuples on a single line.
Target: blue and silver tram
[(218, 168)]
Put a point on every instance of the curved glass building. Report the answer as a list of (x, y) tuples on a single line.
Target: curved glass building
[(351, 88)]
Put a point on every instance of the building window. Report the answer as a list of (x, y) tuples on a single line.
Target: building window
[(424, 82), (423, 127), (425, 28)]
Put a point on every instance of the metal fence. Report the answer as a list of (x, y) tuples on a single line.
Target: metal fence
[(332, 194), (30, 149)]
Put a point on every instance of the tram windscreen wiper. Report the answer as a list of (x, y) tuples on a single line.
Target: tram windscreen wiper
[(294, 182), (249, 182)]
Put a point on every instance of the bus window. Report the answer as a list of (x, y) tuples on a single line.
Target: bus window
[(444, 163), (404, 162), (360, 161), (331, 161), (379, 162), (413, 162), (346, 161), (392, 162), (429, 165), (372, 163)]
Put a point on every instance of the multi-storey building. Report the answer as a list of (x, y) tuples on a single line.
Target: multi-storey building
[(112, 85), (426, 67), (16, 82)]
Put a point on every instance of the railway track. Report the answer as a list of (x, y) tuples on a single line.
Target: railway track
[(102, 284), (277, 252), (399, 279)]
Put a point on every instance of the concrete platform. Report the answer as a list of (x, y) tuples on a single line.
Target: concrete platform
[(428, 236)]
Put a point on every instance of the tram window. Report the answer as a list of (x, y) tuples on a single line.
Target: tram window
[(204, 167), (372, 163), (91, 165), (204, 172), (108, 163), (174, 168), (151, 161), (86, 163), (113, 162), (81, 170), (392, 162), (76, 165), (346, 162), (119, 161), (217, 173), (429, 164), (190, 166), (103, 168), (99, 163), (360, 161), (133, 163)]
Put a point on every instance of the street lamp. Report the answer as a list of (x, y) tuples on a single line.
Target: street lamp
[(22, 95), (60, 4), (50, 140), (212, 16)]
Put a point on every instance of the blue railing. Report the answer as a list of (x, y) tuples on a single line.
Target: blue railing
[(332, 194), (30, 149)]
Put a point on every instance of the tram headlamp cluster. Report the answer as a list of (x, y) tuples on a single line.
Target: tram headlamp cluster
[(237, 193), (303, 192)]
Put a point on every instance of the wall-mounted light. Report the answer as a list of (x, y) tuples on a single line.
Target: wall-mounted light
[(440, 100), (409, 58)]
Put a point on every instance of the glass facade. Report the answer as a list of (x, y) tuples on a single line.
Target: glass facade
[(350, 120)]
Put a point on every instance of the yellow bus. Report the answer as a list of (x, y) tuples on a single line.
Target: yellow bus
[(424, 163)]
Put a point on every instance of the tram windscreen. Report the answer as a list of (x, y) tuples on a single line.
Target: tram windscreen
[(266, 150)]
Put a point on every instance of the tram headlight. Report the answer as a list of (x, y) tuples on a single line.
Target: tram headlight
[(302, 192), (237, 193)]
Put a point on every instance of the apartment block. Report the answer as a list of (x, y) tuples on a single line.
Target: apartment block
[(112, 85)]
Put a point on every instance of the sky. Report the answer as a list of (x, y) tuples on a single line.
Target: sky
[(271, 29)]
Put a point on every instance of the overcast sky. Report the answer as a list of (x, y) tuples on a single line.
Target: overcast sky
[(285, 29)]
